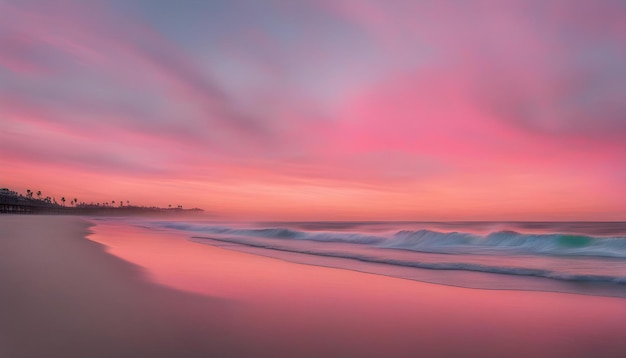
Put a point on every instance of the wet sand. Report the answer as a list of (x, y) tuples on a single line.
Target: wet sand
[(63, 295)]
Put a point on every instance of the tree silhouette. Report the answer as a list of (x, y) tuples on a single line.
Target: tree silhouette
[(29, 193), (63, 200), (39, 194)]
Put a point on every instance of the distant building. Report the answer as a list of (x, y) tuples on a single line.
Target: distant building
[(7, 192)]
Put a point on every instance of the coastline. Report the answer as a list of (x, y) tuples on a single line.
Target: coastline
[(64, 296), (75, 297)]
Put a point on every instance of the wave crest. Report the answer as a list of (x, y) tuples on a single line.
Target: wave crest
[(510, 242), (495, 243)]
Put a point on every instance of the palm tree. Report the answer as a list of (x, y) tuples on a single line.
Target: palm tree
[(63, 200), (75, 201), (39, 194), (29, 193)]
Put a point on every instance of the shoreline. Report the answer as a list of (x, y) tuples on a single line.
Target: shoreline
[(65, 296), (525, 282), (158, 294)]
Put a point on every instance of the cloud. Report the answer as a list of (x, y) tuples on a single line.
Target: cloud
[(124, 50), (442, 99), (553, 67)]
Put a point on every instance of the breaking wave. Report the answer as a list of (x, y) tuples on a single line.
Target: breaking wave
[(565, 257), (495, 243), (509, 242), (281, 233), (465, 266)]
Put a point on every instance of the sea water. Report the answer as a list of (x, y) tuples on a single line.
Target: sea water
[(575, 257)]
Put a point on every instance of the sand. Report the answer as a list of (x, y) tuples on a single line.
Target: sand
[(63, 296), (150, 293)]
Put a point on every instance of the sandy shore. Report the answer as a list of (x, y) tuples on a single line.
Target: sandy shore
[(65, 296)]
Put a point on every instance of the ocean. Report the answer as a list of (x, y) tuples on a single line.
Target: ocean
[(574, 257)]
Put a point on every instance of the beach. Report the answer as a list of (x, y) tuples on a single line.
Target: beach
[(72, 287)]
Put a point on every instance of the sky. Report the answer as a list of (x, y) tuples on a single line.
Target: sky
[(320, 109)]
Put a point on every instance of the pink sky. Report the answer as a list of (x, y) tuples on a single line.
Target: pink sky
[(309, 110)]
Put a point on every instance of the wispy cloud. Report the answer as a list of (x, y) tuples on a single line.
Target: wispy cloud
[(518, 105)]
